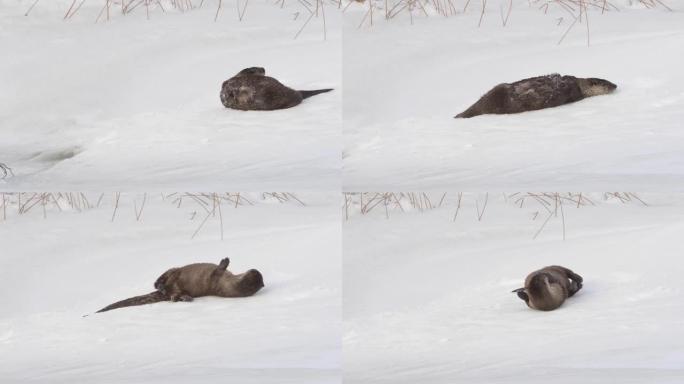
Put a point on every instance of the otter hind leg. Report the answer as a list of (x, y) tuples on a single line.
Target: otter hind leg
[(575, 279), (167, 283), (181, 297), (224, 263), (220, 271), (166, 279), (571, 275), (575, 283), (174, 292)]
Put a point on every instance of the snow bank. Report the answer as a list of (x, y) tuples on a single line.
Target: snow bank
[(404, 84), (58, 269), (429, 300), (131, 102)]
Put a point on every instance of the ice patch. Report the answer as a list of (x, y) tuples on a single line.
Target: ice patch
[(56, 155)]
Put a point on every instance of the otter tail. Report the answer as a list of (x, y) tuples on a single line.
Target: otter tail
[(153, 297), (307, 94)]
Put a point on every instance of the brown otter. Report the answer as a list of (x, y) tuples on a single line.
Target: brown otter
[(252, 90), (196, 280), (547, 288), (537, 93)]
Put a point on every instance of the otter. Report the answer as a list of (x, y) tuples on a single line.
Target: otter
[(196, 280), (537, 93), (547, 288), (252, 90)]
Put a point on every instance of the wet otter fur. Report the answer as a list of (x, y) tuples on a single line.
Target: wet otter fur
[(252, 90), (547, 288), (197, 280), (537, 93)]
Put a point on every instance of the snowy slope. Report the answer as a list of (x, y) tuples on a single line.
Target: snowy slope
[(131, 102), (404, 84), (57, 269), (429, 300)]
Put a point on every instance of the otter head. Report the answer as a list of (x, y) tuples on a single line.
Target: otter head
[(593, 86), (252, 71), (243, 96), (250, 282)]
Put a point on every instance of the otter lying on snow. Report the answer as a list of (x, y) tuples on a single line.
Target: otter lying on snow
[(537, 93), (196, 280), (547, 288), (251, 89)]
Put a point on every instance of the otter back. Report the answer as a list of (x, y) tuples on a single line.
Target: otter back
[(537, 93)]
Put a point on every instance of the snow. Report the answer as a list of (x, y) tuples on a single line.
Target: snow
[(404, 84), (57, 269), (428, 299), (130, 102)]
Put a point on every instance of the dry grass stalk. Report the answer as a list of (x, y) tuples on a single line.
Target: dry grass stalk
[(116, 204), (31, 7), (128, 6), (484, 206), (368, 201), (577, 9), (211, 203), (5, 171), (314, 11), (4, 207), (138, 214), (484, 5), (504, 20), (458, 205), (553, 204)]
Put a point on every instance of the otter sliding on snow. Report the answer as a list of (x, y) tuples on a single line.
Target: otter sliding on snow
[(252, 90), (196, 280), (547, 288), (537, 93)]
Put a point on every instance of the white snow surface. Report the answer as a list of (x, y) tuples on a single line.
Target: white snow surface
[(404, 84), (58, 269), (129, 102), (428, 300)]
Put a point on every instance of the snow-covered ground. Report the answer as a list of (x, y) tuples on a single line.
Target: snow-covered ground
[(428, 300), (58, 269), (404, 84), (131, 102)]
